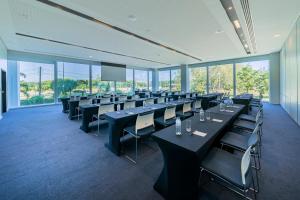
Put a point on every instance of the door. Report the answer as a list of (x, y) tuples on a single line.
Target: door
[(3, 79)]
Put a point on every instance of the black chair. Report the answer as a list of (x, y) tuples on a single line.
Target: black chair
[(232, 171), (250, 118), (82, 102), (248, 125), (186, 111), (143, 128), (169, 117)]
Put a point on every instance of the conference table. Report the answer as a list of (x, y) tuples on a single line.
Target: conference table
[(243, 99), (182, 154), (119, 120), (205, 99)]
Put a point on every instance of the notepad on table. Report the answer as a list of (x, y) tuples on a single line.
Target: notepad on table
[(130, 113), (217, 120), (231, 111), (233, 106), (199, 133)]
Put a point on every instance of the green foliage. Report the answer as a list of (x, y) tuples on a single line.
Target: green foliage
[(24, 88), (246, 80), (64, 87), (198, 79)]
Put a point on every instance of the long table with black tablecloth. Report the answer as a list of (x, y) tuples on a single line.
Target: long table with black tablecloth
[(243, 99), (119, 120), (65, 104), (205, 99), (182, 154)]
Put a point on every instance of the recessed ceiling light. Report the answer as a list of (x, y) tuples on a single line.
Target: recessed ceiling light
[(230, 8), (276, 35), (219, 31), (236, 24), (246, 45), (132, 18)]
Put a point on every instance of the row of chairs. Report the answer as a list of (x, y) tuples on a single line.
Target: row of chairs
[(145, 123), (230, 169)]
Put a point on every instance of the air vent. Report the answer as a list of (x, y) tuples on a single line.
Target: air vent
[(249, 23)]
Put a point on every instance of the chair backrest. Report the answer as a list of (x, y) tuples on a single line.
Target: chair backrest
[(105, 100), (136, 96), (129, 104), (245, 164), (144, 120), (198, 104), (161, 100), (170, 113), (169, 93), (149, 101), (163, 94), (122, 98), (258, 115), (194, 95), (106, 96), (105, 108), (254, 138), (187, 96), (186, 107), (85, 102)]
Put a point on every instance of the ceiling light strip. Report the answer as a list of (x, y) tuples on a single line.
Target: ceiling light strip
[(89, 48), (233, 17), (249, 22), (82, 15)]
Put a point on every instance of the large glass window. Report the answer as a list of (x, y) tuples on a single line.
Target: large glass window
[(141, 79), (36, 83), (175, 80), (164, 80), (99, 86), (127, 86), (253, 77), (72, 78), (221, 78), (150, 80), (198, 79)]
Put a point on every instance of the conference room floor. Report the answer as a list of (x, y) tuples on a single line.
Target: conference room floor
[(44, 155)]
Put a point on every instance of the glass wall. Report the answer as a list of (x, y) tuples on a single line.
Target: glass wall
[(72, 78), (175, 80), (127, 86), (150, 80), (253, 77), (141, 79), (221, 78), (198, 79), (164, 80), (99, 86), (36, 83)]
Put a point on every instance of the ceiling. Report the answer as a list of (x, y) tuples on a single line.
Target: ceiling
[(189, 27)]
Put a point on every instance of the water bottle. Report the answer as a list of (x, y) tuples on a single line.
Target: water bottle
[(201, 115), (118, 107), (178, 126)]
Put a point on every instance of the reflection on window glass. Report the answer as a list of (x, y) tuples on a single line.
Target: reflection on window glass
[(141, 79), (72, 78), (198, 79), (253, 77), (175, 80), (150, 80), (127, 86), (36, 83), (164, 80), (221, 78), (99, 86)]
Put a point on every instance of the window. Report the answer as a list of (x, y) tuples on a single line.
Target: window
[(175, 80), (141, 79), (36, 83), (150, 80), (127, 86), (164, 80), (99, 86), (198, 79), (253, 77), (72, 77), (221, 78)]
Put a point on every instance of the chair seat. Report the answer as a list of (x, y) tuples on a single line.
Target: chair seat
[(250, 118), (169, 122), (235, 140), (95, 116), (244, 124), (141, 133), (226, 166), (184, 115), (196, 110)]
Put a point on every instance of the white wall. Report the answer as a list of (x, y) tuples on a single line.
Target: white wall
[(3, 65), (290, 74)]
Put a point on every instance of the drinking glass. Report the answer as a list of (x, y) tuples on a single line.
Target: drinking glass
[(188, 125), (207, 116)]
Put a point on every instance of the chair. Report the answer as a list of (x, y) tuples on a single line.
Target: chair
[(105, 100), (136, 96), (248, 125), (149, 101), (129, 104), (82, 103), (197, 106), (122, 98), (144, 127), (187, 96), (186, 111), (103, 108), (234, 172), (163, 94), (169, 117), (106, 96), (161, 100), (250, 118)]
